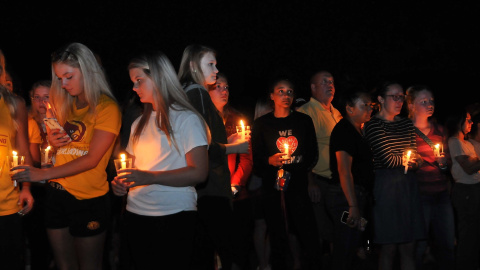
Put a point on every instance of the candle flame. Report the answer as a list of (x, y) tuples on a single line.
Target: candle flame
[(241, 123), (286, 148), (437, 146), (14, 153), (48, 148), (122, 156)]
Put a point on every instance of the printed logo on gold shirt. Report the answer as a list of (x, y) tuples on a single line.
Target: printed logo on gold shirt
[(76, 130), (93, 225)]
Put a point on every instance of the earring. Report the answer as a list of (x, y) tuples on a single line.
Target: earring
[(194, 71)]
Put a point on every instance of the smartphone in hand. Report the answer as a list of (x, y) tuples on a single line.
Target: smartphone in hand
[(52, 123)]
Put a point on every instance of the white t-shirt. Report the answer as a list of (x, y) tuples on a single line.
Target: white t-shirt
[(459, 148), (476, 146), (153, 153)]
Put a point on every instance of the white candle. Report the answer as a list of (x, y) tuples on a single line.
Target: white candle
[(124, 163), (408, 160), (15, 163), (436, 152), (46, 153), (285, 151), (15, 158), (243, 130)]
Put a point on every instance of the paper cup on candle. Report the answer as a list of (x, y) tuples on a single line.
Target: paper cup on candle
[(123, 163), (13, 161)]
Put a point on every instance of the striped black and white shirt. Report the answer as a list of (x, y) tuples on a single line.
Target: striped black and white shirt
[(388, 141)]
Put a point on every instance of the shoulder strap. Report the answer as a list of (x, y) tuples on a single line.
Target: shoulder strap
[(425, 138), (192, 86)]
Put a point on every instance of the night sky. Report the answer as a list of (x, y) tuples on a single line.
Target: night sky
[(360, 42)]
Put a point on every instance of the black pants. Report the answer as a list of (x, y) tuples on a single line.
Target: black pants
[(163, 242), (466, 202), (12, 246), (301, 222), (214, 232)]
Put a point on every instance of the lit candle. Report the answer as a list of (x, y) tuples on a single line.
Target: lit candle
[(15, 163), (408, 160), (285, 151), (243, 130), (15, 158), (46, 153), (124, 162), (436, 152)]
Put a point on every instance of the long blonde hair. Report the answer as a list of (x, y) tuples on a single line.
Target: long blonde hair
[(95, 83), (167, 92), (190, 68)]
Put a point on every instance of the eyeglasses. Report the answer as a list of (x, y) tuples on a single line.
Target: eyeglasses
[(397, 97), (40, 99)]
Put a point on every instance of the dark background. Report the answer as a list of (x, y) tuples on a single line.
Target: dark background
[(360, 42)]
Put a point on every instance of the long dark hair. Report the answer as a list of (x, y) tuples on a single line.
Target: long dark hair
[(455, 121)]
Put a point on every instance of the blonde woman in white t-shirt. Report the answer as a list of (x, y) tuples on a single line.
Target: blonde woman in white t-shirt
[(466, 191), (168, 144)]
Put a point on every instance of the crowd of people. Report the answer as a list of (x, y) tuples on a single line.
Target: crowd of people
[(343, 174)]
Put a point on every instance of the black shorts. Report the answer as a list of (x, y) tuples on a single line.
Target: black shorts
[(83, 217)]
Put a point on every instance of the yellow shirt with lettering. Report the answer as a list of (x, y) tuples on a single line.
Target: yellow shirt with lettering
[(8, 193), (80, 125)]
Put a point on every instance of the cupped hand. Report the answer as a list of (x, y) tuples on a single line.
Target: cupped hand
[(134, 177), (26, 200), (277, 159), (56, 138), (119, 187), (353, 219)]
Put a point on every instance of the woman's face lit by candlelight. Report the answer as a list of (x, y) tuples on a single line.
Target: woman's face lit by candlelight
[(423, 105), (467, 126), (393, 100), (219, 94), (71, 78), (142, 85), (208, 64)]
